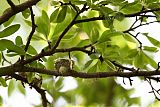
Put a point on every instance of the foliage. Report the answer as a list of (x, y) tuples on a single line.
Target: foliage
[(97, 38)]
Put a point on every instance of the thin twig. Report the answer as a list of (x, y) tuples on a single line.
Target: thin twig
[(68, 27), (31, 33), (38, 89), (50, 52), (140, 43), (131, 29), (11, 4)]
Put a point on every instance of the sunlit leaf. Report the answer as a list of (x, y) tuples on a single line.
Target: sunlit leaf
[(62, 14), (94, 35), (43, 24), (106, 36), (54, 15)]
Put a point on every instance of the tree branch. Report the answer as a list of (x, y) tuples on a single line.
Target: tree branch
[(10, 70), (50, 52), (141, 12), (18, 8), (11, 4), (31, 33), (125, 15), (68, 27)]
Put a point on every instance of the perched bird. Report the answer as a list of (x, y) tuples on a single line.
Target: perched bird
[(64, 65)]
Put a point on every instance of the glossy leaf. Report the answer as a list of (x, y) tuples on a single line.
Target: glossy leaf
[(9, 30)]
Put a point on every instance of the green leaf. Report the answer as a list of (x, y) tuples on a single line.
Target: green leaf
[(88, 26), (0, 57), (19, 41), (7, 23), (106, 36), (3, 82), (62, 14), (150, 49), (108, 22), (31, 50), (88, 64), (129, 38), (153, 41), (26, 13), (1, 101), (11, 46), (132, 53), (9, 30), (61, 26), (139, 60), (54, 15), (154, 6), (29, 23), (11, 87), (21, 88), (151, 61), (54, 3), (93, 68), (83, 42), (17, 49), (43, 24), (102, 66), (130, 8), (119, 16), (37, 37), (11, 54), (94, 35), (105, 11), (110, 64)]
